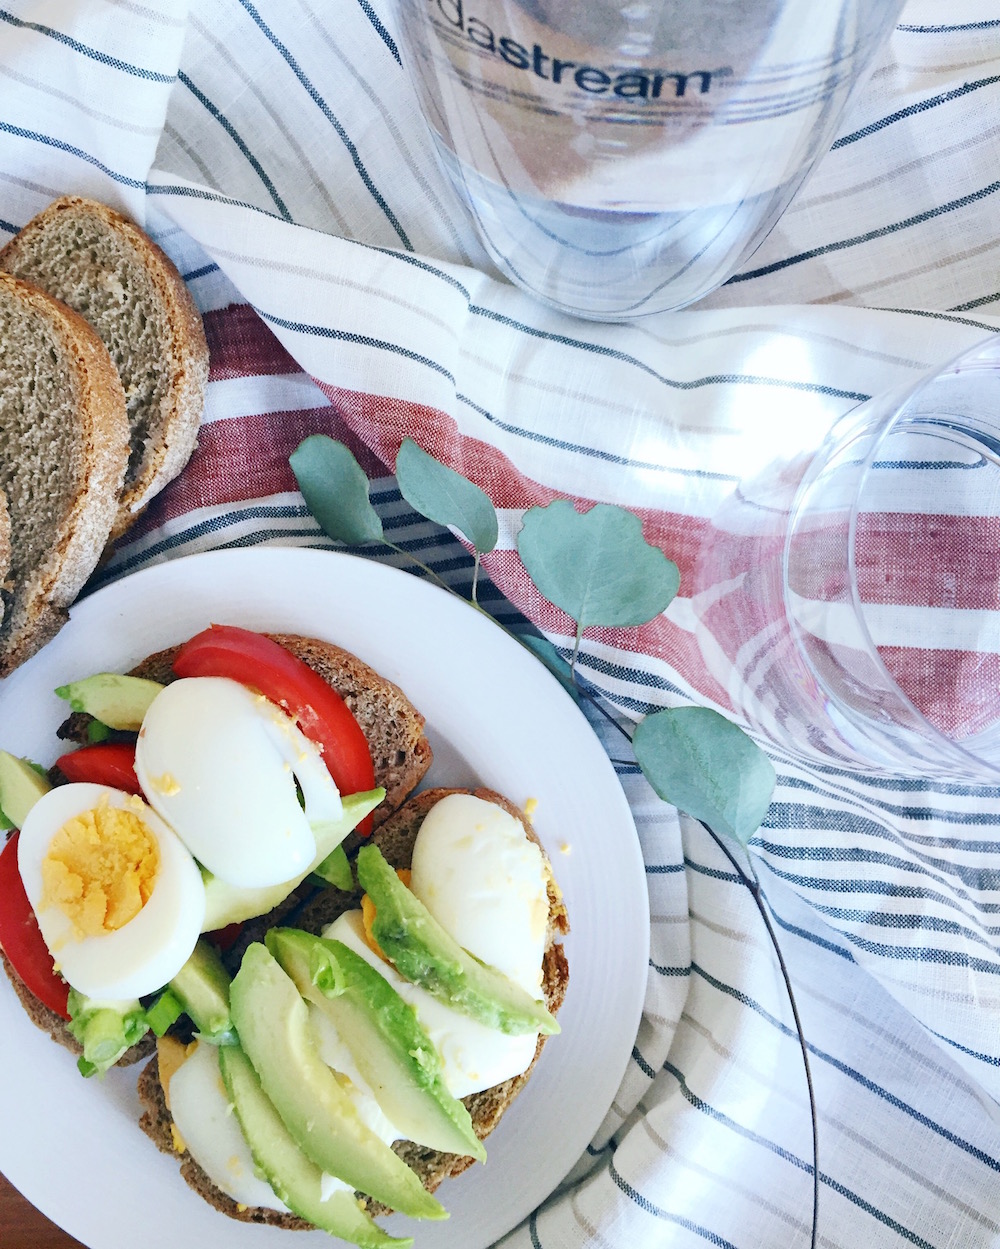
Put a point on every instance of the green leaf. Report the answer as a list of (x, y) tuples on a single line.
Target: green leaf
[(442, 495), (335, 489), (702, 763), (596, 565)]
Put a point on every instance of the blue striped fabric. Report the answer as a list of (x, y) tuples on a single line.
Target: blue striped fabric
[(274, 150)]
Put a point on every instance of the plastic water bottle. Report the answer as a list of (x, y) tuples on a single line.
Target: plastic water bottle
[(620, 158)]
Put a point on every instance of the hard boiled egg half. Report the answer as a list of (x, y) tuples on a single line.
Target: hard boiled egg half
[(236, 778), (118, 898)]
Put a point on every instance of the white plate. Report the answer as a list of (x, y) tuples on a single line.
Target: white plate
[(494, 716)]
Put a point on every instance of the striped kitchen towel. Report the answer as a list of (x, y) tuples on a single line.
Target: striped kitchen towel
[(274, 149)]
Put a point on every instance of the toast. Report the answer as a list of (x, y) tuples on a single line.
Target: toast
[(394, 728), (106, 269), (401, 755), (395, 838), (63, 455)]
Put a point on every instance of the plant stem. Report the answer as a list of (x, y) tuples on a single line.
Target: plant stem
[(420, 564), (751, 881), (753, 885), (475, 579), (576, 650)]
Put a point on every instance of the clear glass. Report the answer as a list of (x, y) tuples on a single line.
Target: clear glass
[(851, 604), (620, 158)]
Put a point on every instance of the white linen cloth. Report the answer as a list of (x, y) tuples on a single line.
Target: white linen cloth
[(274, 150)]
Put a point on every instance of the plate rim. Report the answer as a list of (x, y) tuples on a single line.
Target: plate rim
[(105, 603)]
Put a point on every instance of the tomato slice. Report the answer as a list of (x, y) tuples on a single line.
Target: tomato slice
[(255, 660), (107, 763), (21, 940)]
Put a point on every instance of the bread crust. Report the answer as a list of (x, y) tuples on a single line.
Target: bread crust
[(395, 838), (45, 1018), (184, 355), (41, 595)]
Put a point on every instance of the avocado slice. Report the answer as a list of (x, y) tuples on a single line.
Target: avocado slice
[(335, 870), (104, 1029), (386, 1040), (118, 701), (273, 1024), (295, 1180), (427, 955), (230, 904), (202, 988), (22, 783)]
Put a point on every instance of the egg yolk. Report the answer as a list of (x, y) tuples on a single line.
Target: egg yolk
[(100, 869), (368, 914)]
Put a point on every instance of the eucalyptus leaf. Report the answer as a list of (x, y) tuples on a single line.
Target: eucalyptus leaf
[(705, 765), (335, 488), (446, 497), (596, 565)]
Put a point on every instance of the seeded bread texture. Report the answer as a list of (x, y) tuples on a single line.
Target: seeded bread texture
[(106, 269), (395, 838), (63, 454)]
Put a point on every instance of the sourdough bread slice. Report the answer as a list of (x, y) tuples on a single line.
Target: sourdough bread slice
[(63, 454), (395, 838), (106, 269)]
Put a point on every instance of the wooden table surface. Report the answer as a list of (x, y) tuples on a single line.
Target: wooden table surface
[(22, 1227)]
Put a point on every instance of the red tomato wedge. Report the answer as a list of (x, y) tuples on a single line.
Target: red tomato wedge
[(107, 763), (262, 664), (21, 940)]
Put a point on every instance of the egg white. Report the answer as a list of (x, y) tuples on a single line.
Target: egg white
[(148, 951), (484, 882), (473, 1056), (220, 765), (204, 1116)]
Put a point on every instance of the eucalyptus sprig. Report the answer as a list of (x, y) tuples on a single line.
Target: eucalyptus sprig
[(598, 568), (335, 488)]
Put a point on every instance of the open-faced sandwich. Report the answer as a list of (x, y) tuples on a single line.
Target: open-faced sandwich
[(345, 986)]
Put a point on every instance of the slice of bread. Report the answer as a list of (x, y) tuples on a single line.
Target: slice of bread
[(63, 455), (106, 269), (395, 838), (394, 728)]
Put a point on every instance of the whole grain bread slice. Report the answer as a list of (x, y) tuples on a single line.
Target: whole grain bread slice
[(395, 838), (106, 269), (401, 753), (63, 454)]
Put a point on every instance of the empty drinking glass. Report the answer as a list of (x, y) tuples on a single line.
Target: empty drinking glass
[(851, 601)]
